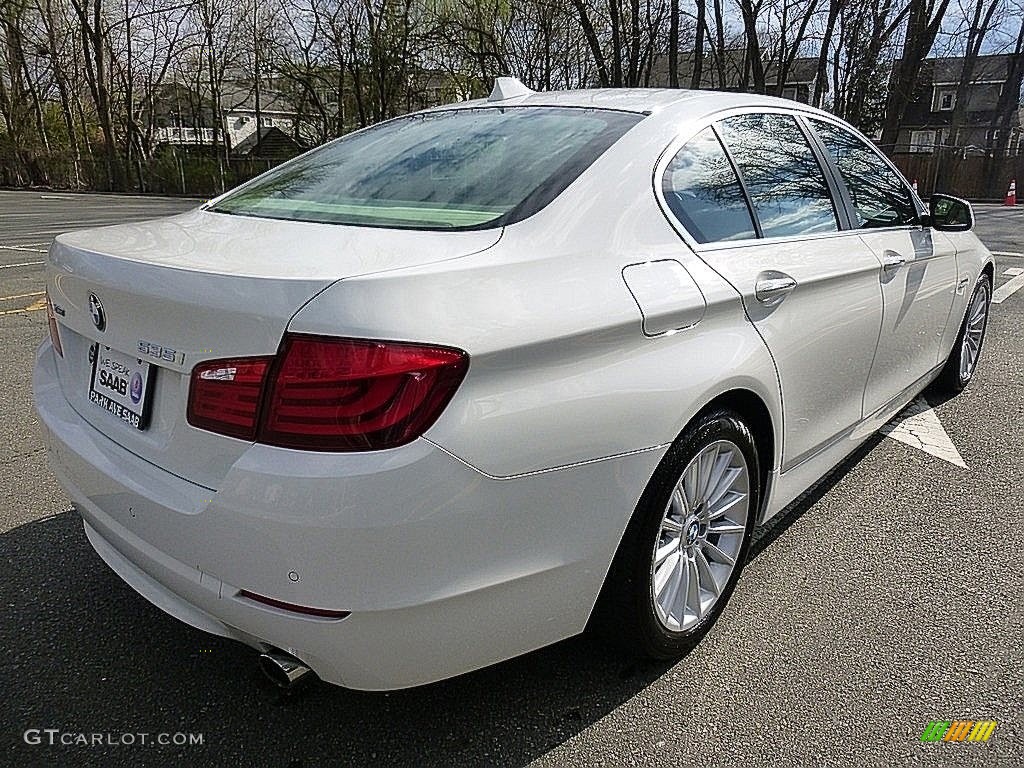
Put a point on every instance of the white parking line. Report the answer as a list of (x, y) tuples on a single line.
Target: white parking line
[(22, 295), (1011, 286), (22, 264), (30, 248), (35, 306), (1008, 253)]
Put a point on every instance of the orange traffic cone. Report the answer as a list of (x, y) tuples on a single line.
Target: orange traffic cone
[(914, 185), (1011, 193)]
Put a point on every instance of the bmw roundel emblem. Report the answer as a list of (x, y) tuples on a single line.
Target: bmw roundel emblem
[(99, 318)]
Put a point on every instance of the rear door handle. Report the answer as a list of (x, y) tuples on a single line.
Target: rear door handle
[(892, 261), (771, 287)]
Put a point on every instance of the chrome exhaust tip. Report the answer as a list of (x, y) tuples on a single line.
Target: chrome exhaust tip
[(283, 669)]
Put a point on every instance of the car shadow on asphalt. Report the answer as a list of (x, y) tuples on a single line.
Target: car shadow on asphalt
[(84, 653), (779, 524)]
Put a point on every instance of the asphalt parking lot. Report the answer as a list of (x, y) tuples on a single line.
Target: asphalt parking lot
[(887, 598)]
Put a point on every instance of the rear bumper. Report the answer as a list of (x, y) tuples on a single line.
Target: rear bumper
[(443, 569)]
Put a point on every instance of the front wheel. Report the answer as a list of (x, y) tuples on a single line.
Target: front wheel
[(963, 359), (683, 551)]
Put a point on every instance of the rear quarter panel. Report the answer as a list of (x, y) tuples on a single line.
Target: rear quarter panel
[(560, 369)]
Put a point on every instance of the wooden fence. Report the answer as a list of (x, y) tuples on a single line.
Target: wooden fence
[(975, 177)]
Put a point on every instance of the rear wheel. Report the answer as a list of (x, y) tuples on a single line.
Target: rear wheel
[(963, 360), (683, 551)]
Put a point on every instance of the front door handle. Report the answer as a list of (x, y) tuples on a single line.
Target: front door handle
[(892, 261), (772, 287)]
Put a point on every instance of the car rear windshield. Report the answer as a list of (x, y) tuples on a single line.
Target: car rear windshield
[(455, 169)]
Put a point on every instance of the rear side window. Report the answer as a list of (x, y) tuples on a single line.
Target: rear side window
[(453, 169), (786, 185), (702, 191), (880, 197)]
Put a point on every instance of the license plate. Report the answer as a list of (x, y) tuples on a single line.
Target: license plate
[(121, 385)]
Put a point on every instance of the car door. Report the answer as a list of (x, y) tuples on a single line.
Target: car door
[(917, 273), (749, 195)]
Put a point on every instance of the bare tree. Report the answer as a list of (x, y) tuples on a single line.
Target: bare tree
[(753, 65), (821, 70), (1009, 103), (979, 25), (924, 19)]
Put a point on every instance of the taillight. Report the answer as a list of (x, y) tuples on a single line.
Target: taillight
[(51, 319), (224, 395), (351, 395), (330, 394)]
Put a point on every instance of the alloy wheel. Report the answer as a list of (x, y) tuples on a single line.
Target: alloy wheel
[(974, 333), (701, 536)]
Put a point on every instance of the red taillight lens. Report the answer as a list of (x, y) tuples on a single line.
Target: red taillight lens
[(328, 394), (354, 395), (224, 395)]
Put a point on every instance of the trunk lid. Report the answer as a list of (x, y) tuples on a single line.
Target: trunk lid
[(173, 292)]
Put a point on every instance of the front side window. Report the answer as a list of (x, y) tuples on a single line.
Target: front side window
[(880, 196), (454, 169), (786, 185), (702, 191)]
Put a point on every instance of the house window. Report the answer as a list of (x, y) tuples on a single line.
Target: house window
[(922, 141), (790, 92), (1013, 143), (945, 100)]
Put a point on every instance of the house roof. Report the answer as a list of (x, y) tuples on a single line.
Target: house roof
[(273, 142), (947, 69), (240, 95), (803, 70), (236, 94)]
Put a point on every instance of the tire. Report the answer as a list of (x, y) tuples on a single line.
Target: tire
[(632, 611), (962, 362)]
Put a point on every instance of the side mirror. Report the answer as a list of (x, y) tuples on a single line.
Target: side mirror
[(950, 214)]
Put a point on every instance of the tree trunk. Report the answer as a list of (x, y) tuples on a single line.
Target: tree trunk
[(673, 42), (750, 12), (981, 19), (720, 43), (698, 45), (821, 74), (923, 23), (593, 43), (1003, 117)]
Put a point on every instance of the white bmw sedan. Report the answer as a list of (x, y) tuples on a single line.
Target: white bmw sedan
[(459, 385)]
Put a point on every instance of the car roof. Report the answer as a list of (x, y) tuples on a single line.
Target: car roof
[(639, 100)]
